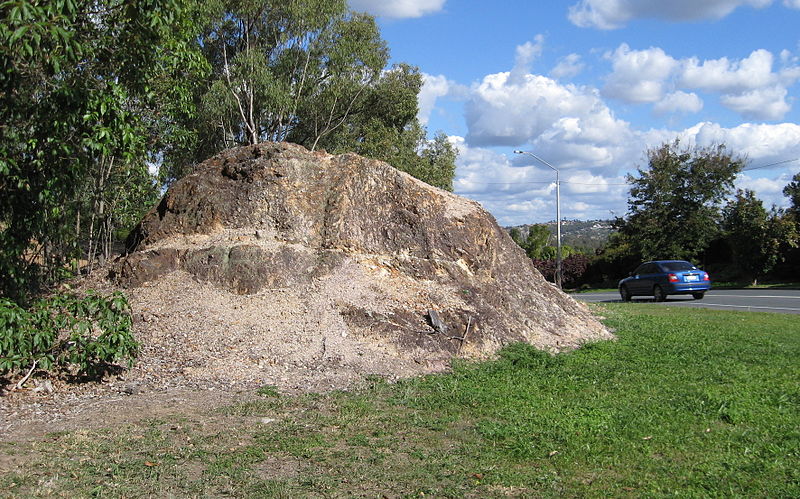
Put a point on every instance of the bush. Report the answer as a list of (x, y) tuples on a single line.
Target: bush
[(573, 269), (67, 332)]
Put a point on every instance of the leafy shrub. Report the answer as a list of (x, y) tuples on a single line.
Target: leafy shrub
[(573, 268), (67, 332)]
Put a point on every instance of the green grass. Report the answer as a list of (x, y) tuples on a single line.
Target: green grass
[(685, 403)]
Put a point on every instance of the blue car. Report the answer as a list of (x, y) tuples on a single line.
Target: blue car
[(665, 277)]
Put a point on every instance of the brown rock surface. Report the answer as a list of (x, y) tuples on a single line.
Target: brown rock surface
[(366, 253), (272, 265)]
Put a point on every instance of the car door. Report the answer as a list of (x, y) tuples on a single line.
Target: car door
[(649, 278), (638, 285)]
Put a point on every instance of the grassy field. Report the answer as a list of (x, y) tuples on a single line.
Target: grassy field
[(684, 403)]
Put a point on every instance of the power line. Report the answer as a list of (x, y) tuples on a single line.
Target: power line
[(771, 164)]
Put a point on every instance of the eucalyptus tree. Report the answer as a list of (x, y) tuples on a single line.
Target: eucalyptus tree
[(674, 204), (75, 82), (310, 72), (757, 237), (278, 64)]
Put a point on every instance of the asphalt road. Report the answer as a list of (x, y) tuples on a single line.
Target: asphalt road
[(755, 300)]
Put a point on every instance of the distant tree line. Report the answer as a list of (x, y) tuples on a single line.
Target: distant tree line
[(96, 96), (682, 206)]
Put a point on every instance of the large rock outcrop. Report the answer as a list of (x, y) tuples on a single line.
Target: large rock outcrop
[(386, 259)]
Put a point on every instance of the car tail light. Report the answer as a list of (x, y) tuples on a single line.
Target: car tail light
[(706, 277), (673, 278)]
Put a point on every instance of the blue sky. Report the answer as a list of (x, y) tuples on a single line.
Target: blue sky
[(590, 85)]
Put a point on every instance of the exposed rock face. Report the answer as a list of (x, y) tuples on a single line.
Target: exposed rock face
[(422, 272)]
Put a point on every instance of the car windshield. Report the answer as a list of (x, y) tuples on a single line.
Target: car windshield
[(673, 266)]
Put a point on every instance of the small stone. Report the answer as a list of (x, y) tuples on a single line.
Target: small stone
[(44, 386), (130, 389)]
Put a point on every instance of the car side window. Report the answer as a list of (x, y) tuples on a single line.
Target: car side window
[(650, 268), (640, 270)]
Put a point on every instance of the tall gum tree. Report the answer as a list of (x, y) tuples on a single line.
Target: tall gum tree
[(674, 203), (758, 238), (75, 85), (310, 72)]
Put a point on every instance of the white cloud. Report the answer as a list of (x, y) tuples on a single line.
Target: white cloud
[(526, 54), (769, 191), (639, 75), (748, 86), (526, 193), (679, 102), (397, 8), (482, 171), (792, 4), (763, 104), (500, 112), (583, 182), (723, 75), (761, 143), (433, 87), (569, 66), (574, 129), (612, 14)]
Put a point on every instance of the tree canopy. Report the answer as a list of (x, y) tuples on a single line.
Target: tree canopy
[(674, 204), (792, 191), (756, 237), (75, 87), (310, 72)]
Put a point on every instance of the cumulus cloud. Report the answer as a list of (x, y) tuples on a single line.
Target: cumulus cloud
[(679, 102), (764, 103), (500, 111), (574, 129), (397, 8), (525, 55), (728, 76), (583, 182), (751, 86), (761, 143), (513, 194), (569, 66), (638, 75), (769, 191), (433, 87), (612, 14)]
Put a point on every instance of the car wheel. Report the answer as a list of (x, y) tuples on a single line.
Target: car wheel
[(698, 296), (658, 293), (625, 293)]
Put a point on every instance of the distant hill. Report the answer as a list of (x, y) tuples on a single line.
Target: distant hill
[(588, 234)]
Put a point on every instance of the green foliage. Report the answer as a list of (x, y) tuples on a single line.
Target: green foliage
[(535, 241), (76, 103), (673, 209), (757, 238), (66, 332), (792, 191), (310, 72)]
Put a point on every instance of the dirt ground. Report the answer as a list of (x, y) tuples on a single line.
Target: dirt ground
[(202, 347)]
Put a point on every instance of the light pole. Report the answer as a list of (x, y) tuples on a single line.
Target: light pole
[(558, 213)]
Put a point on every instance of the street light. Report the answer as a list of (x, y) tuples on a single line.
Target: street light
[(558, 213)]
